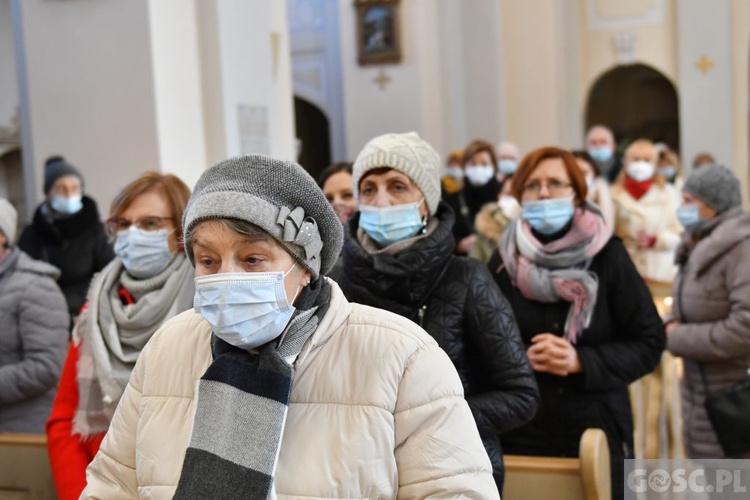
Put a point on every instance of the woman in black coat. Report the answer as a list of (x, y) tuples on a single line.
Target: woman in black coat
[(586, 317), (398, 257)]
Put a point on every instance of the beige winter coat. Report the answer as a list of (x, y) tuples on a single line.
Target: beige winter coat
[(377, 411), (655, 213), (712, 299)]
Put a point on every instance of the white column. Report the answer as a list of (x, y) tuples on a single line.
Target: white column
[(177, 88), (706, 112)]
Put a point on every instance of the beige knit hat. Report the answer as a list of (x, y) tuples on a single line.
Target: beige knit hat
[(8, 220), (408, 153)]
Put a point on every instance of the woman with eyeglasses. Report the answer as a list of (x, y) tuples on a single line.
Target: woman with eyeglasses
[(149, 282), (586, 317)]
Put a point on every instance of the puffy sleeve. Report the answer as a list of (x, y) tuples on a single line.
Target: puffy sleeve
[(512, 397), (112, 472), (43, 328), (729, 337), (438, 450)]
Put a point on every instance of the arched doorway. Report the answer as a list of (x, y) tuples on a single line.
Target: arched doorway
[(635, 101), (313, 132)]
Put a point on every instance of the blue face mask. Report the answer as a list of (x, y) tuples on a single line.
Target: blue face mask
[(507, 167), (65, 205), (387, 225), (548, 216), (689, 216), (600, 154), (668, 172), (246, 310), (144, 254)]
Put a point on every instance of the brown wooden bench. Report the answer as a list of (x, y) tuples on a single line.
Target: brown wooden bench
[(24, 468), (584, 478)]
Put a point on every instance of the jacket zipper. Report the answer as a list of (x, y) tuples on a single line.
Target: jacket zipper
[(420, 314)]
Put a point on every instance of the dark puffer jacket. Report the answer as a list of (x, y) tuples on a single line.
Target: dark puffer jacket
[(465, 313), (623, 342), (76, 245)]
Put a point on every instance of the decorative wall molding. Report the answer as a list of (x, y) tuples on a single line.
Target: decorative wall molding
[(306, 15), (624, 44), (613, 14)]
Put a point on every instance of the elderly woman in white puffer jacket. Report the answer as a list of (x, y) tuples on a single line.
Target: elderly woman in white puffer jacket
[(33, 336), (276, 386)]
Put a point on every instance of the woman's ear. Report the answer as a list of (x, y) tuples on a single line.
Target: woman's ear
[(305, 278)]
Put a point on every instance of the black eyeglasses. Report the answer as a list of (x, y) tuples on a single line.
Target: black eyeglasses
[(146, 224)]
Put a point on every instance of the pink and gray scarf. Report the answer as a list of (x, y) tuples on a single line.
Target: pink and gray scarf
[(557, 270)]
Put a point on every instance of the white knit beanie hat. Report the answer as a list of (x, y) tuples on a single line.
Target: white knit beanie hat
[(409, 154)]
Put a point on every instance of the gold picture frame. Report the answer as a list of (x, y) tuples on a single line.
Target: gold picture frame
[(378, 34)]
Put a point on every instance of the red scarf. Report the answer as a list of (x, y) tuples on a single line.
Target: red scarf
[(637, 189)]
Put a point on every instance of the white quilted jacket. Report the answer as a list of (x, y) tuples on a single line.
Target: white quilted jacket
[(377, 411)]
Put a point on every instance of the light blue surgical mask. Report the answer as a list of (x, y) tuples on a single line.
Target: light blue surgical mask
[(454, 172), (548, 216), (143, 253), (246, 310), (507, 167), (689, 216), (668, 172), (388, 225), (67, 205), (600, 154)]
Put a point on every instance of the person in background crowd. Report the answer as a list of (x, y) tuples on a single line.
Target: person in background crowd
[(586, 317), (276, 386), (452, 193), (399, 257), (149, 282), (711, 325), (645, 213), (597, 186), (669, 167), (480, 187), (336, 183), (508, 156), (34, 333), (703, 159), (492, 220), (600, 145), (453, 177), (66, 232)]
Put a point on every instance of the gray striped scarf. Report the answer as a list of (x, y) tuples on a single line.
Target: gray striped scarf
[(243, 400)]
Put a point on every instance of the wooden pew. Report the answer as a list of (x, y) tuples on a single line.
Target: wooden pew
[(584, 478), (24, 468)]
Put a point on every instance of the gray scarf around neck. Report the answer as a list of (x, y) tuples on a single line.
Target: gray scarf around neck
[(110, 335), (243, 399)]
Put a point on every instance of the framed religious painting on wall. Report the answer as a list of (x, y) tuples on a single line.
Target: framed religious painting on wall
[(378, 39)]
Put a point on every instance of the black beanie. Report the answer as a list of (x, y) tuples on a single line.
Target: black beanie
[(56, 167)]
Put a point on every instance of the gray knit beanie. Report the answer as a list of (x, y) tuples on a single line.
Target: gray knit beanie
[(57, 167), (408, 153), (8, 220), (277, 196), (716, 186)]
